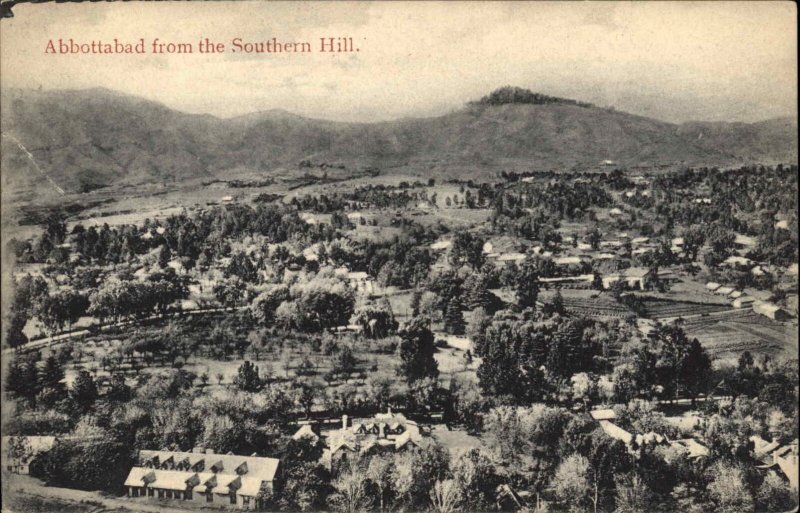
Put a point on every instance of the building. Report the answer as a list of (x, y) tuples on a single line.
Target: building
[(771, 311), (712, 286), (774, 457), (204, 477), (441, 245), (386, 432), (21, 452), (361, 281), (743, 302), (724, 291), (633, 277), (606, 414)]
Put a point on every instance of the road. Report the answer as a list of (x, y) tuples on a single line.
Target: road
[(61, 337)]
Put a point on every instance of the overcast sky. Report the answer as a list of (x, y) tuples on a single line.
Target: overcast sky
[(673, 61)]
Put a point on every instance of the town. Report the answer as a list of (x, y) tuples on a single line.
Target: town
[(602, 340)]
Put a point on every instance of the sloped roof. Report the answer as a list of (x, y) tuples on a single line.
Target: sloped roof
[(170, 479), (305, 431), (251, 487), (606, 414), (615, 431), (263, 468), (136, 476)]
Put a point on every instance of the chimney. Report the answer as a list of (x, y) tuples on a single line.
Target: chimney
[(344, 421), (209, 451)]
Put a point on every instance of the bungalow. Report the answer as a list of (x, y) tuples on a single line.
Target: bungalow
[(693, 448), (605, 414), (204, 477), (569, 260), (441, 245), (385, 432), (20, 452), (712, 286), (738, 261), (635, 277), (616, 432), (771, 311), (512, 258), (361, 281), (743, 302), (724, 291), (744, 241)]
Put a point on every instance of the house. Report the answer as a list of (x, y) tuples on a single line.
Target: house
[(385, 432), (569, 260), (21, 452), (615, 212), (204, 477), (441, 245), (605, 414), (634, 277), (771, 311), (736, 294), (616, 432), (773, 456), (782, 225), (637, 241), (744, 241), (743, 302), (503, 244), (512, 258), (738, 261), (226, 199), (361, 281), (724, 291), (712, 286), (693, 448)]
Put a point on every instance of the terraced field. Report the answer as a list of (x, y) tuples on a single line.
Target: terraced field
[(727, 335), (596, 308), (663, 309)]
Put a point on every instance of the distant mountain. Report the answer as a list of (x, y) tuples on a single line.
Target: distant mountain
[(95, 138)]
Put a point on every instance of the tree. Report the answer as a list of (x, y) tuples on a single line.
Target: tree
[(454, 317), (307, 393), (376, 319), (571, 483), (477, 479), (15, 337), (350, 492), (247, 378), (379, 473), (527, 283), (696, 370), (467, 248), (84, 391), (445, 496), (164, 256), (416, 351), (728, 489), (774, 495), (632, 495), (265, 304)]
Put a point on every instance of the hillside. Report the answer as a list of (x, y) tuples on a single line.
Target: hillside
[(88, 139)]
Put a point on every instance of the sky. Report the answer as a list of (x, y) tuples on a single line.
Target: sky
[(675, 61)]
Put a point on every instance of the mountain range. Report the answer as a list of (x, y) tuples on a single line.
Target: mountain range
[(87, 139)]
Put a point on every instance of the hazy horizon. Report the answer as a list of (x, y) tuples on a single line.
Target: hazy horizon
[(674, 62)]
